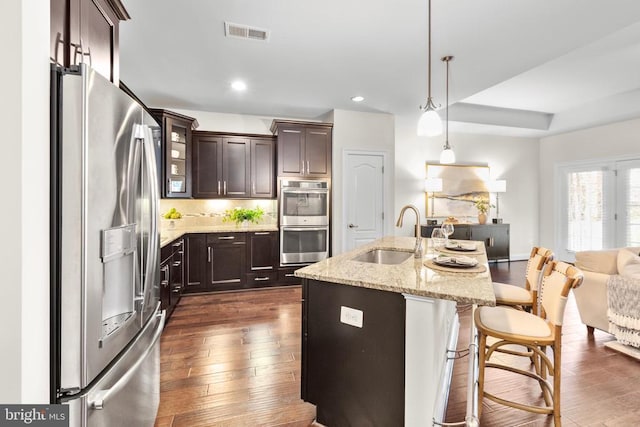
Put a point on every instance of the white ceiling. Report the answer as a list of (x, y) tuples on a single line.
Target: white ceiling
[(560, 65)]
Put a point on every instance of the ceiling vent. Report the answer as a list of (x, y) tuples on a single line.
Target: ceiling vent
[(245, 32)]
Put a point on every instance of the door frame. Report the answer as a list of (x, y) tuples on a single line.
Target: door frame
[(386, 188)]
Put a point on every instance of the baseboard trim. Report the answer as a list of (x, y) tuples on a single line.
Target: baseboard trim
[(624, 349), (519, 257)]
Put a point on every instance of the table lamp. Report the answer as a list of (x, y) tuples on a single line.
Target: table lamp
[(498, 186), (431, 185)]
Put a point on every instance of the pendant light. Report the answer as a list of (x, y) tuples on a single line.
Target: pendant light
[(430, 123), (447, 156)]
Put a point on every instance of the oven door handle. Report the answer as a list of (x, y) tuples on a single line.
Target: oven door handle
[(305, 228), (307, 191)]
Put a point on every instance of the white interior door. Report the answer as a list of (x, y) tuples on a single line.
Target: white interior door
[(363, 198)]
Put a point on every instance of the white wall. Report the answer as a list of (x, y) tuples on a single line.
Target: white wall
[(360, 131), (620, 139), (510, 158), (24, 118), (234, 123)]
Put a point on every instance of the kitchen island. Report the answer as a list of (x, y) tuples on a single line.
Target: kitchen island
[(378, 337)]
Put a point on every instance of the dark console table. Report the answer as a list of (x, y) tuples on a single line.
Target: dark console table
[(494, 236)]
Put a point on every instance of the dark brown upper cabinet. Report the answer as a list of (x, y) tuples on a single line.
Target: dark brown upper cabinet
[(263, 168), (86, 31), (236, 167), (176, 153), (207, 166), (304, 148), (233, 166)]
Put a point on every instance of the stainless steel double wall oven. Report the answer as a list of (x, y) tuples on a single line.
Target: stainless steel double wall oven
[(304, 221)]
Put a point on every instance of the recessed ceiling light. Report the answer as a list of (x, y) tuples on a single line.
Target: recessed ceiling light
[(357, 98), (239, 86)]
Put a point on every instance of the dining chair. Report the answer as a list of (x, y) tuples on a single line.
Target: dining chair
[(534, 332)]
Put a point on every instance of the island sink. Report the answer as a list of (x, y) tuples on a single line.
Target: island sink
[(383, 256)]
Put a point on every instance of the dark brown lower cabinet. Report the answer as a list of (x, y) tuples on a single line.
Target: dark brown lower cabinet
[(172, 275), (226, 255), (262, 258), (196, 260), (233, 261), (494, 236)]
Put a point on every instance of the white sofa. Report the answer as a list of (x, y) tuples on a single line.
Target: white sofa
[(591, 296)]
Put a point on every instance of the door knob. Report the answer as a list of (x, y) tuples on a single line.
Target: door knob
[(353, 226)]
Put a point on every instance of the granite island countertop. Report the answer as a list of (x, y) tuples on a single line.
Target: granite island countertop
[(169, 235), (409, 277)]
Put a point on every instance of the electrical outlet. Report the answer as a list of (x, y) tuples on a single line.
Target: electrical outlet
[(351, 316)]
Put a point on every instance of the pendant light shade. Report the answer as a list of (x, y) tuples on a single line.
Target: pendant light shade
[(430, 123), (447, 156)]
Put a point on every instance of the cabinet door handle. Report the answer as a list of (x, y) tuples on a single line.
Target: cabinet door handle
[(289, 275), (226, 237), (209, 254), (253, 186), (165, 269), (261, 233), (224, 184), (353, 226), (308, 168), (260, 279), (302, 168), (176, 245), (218, 188), (177, 263)]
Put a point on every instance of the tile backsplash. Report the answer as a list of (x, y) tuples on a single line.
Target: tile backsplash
[(210, 212)]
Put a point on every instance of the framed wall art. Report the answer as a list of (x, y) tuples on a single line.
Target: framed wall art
[(461, 186)]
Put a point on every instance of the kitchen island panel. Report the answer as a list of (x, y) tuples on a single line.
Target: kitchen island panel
[(355, 375)]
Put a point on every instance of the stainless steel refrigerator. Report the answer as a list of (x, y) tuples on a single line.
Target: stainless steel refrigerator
[(106, 321)]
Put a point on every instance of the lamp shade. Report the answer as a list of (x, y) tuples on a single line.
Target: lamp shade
[(447, 156), (430, 124), (497, 186), (431, 185)]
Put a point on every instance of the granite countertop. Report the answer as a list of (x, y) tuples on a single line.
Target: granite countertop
[(169, 235), (409, 277)]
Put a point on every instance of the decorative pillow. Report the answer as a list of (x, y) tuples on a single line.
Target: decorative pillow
[(628, 264)]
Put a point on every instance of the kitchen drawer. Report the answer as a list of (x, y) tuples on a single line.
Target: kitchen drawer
[(173, 247), (226, 238), (285, 276), (259, 279), (166, 252)]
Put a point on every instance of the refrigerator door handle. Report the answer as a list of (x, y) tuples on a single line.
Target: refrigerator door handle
[(103, 396), (145, 134)]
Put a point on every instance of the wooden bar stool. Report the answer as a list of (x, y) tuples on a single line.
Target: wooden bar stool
[(527, 297), (535, 333)]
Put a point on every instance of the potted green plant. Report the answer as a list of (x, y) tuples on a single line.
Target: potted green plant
[(482, 205), (243, 215)]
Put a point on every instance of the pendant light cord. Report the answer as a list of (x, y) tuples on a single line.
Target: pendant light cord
[(447, 59), (429, 55), (446, 136)]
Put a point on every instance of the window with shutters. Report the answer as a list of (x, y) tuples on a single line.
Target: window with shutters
[(599, 206)]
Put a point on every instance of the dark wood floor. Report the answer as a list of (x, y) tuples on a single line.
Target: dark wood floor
[(233, 359)]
